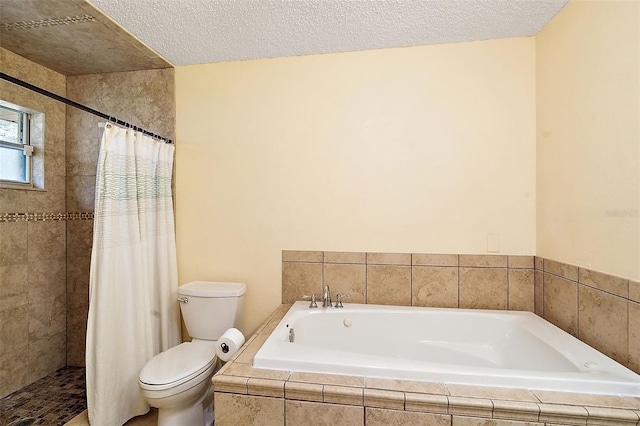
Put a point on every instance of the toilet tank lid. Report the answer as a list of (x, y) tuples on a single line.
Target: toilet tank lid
[(212, 289)]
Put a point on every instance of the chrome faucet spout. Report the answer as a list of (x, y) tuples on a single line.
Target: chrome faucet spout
[(326, 297)]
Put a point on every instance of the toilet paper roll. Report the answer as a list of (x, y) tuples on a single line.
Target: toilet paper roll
[(229, 343)]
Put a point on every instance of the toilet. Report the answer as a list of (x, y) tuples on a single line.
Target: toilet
[(178, 380)]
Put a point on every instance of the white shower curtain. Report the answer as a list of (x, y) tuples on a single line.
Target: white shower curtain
[(133, 311)]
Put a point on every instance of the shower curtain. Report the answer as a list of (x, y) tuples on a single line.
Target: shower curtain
[(133, 311)]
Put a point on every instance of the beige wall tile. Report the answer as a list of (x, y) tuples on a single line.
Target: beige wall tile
[(434, 286), (539, 263), (634, 338), (327, 379), (303, 391), (507, 394), (563, 414), (610, 283), (434, 259), (265, 387), (603, 322), (480, 407), (473, 421), (246, 370), (483, 261), (234, 410), (520, 262), (78, 268), (232, 384), (406, 385), (80, 193), (79, 237), (14, 368), (302, 256), (515, 410), (389, 259), (46, 356), (76, 336), (300, 413), (521, 290), (561, 303), (14, 289), (13, 243), (383, 417), (346, 279), (343, 395), (483, 288), (300, 279), (389, 285), (426, 402), (570, 398), (634, 291), (82, 154), (384, 399), (538, 292), (611, 416), (14, 328), (52, 199), (564, 270), (13, 201), (344, 257), (46, 240)]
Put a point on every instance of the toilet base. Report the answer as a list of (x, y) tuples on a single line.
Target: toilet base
[(198, 414)]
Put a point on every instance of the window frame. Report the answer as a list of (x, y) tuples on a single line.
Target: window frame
[(24, 144)]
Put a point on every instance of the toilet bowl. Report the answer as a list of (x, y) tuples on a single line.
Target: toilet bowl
[(178, 380)]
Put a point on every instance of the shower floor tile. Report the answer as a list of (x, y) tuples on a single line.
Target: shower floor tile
[(52, 400)]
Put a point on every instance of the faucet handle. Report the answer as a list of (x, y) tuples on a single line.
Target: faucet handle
[(339, 299), (313, 299)]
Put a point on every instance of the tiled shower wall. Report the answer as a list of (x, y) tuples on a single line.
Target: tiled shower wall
[(599, 309), (32, 240), (143, 98), (46, 235)]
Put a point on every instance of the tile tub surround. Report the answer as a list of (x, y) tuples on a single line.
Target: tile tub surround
[(247, 395), (599, 309), (405, 279)]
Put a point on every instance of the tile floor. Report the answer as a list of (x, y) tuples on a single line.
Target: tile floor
[(52, 400), (149, 419)]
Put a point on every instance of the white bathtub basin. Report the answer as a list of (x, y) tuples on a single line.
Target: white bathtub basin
[(465, 346)]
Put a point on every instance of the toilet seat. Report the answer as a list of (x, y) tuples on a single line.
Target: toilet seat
[(177, 365)]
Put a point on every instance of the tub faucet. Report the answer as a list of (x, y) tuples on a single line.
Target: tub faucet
[(326, 297)]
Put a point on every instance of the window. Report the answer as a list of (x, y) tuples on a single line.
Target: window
[(15, 149)]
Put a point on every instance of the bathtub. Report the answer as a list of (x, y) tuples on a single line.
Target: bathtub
[(461, 346)]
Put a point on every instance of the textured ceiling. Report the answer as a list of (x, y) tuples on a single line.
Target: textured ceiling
[(202, 31)]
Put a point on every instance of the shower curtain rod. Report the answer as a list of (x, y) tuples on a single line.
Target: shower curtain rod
[(74, 104)]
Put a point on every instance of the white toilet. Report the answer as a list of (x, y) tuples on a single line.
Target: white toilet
[(178, 380)]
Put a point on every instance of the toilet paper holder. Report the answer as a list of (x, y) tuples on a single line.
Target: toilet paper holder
[(224, 347)]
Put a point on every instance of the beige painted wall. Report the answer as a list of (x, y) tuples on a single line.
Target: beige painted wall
[(423, 149), (588, 131)]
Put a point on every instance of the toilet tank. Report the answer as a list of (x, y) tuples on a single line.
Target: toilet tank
[(211, 307)]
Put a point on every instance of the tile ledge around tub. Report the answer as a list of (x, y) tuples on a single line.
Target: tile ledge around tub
[(433, 397)]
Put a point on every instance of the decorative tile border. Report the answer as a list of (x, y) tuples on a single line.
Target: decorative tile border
[(42, 217)]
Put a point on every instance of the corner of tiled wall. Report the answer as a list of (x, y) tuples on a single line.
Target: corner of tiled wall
[(601, 310)]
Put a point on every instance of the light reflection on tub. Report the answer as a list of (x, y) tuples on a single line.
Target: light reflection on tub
[(464, 346)]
